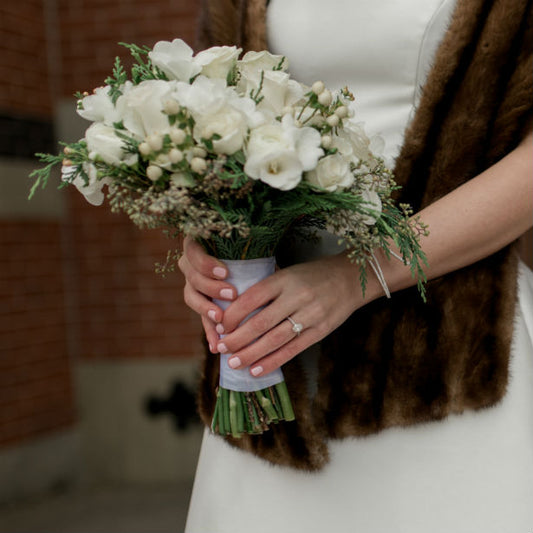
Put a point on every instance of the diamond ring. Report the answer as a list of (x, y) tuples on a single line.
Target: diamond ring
[(297, 328)]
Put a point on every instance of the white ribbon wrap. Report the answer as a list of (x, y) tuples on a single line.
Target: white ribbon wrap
[(242, 275)]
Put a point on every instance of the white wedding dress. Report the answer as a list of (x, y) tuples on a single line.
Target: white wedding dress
[(468, 474)]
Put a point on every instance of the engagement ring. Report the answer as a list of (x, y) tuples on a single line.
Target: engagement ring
[(297, 328)]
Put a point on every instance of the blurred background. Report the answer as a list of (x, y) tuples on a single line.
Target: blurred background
[(98, 354)]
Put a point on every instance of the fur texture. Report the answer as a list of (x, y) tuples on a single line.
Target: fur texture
[(400, 361)]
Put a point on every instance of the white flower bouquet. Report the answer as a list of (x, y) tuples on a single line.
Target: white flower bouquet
[(236, 154)]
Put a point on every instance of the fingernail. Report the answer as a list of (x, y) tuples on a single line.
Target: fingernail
[(222, 348), (211, 348), (219, 272), (226, 294), (257, 370), (212, 315), (220, 329), (234, 362)]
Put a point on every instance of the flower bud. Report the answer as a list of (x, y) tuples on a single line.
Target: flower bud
[(155, 141), (66, 163), (145, 149), (153, 172), (287, 110), (198, 151), (175, 155), (326, 141), (162, 159), (325, 98), (198, 165), (171, 107), (342, 111), (177, 136), (318, 87), (67, 150), (333, 121)]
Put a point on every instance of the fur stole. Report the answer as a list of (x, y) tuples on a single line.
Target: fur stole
[(400, 362)]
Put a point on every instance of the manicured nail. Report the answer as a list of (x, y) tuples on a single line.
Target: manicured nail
[(226, 294), (220, 329), (234, 362), (212, 315), (257, 370), (219, 272), (222, 348)]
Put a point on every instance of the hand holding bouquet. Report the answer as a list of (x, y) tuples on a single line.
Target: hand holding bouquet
[(236, 154)]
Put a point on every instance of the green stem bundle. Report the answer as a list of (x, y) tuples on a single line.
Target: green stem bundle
[(251, 412)]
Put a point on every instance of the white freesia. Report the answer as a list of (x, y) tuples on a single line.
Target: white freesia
[(144, 105), (92, 189), (331, 173), (103, 142), (175, 59), (279, 153), (252, 63), (98, 107), (217, 61)]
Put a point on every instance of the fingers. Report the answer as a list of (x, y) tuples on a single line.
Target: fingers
[(210, 334), (202, 305), (204, 272), (205, 264)]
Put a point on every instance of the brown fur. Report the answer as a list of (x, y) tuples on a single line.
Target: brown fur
[(400, 361)]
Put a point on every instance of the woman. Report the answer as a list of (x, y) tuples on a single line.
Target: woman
[(465, 162)]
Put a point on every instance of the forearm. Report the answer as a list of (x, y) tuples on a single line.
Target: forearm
[(473, 221)]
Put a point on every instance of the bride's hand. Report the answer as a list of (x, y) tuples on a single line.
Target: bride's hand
[(204, 277), (319, 295)]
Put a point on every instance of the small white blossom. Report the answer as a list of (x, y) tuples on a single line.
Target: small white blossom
[(177, 135), (318, 87), (171, 107), (175, 155), (145, 148), (153, 172), (325, 97), (198, 165), (333, 121), (155, 142)]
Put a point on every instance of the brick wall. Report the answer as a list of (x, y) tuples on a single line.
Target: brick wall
[(81, 285)]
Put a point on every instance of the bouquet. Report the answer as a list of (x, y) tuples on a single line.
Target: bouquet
[(238, 155)]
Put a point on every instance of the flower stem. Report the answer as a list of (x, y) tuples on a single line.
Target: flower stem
[(286, 406)]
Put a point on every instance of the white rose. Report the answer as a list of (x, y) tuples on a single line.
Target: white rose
[(144, 105), (372, 201), (332, 172), (204, 96), (229, 123), (92, 189), (279, 153), (218, 109), (103, 141), (174, 59), (217, 61)]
